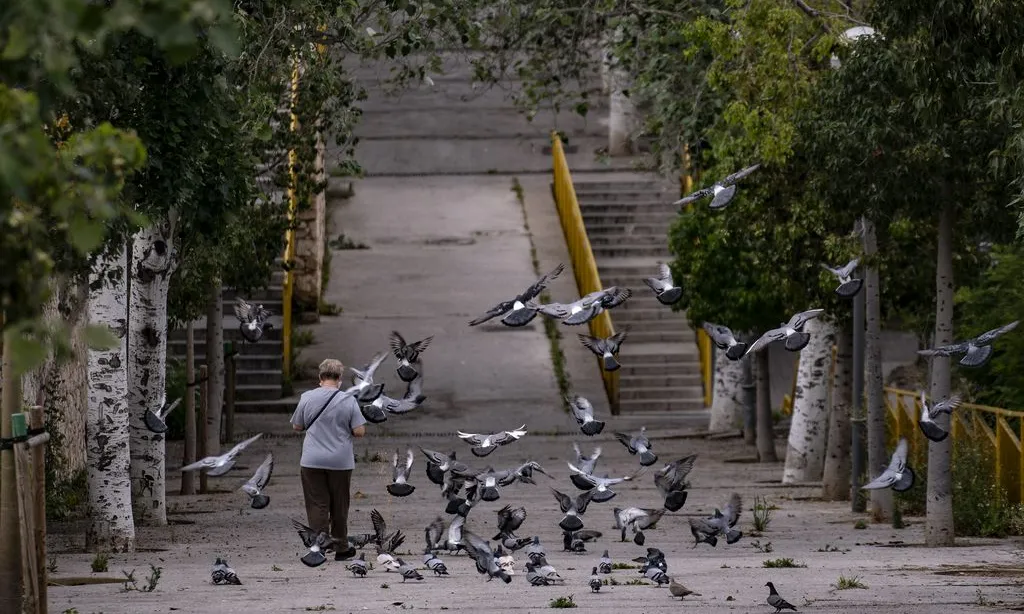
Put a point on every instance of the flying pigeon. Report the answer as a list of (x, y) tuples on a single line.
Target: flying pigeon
[(254, 487), (575, 541), (448, 538), (408, 355), (636, 520), (976, 351), (378, 409), (572, 509), (671, 481), (719, 523), (595, 581), (434, 564), (586, 308), (317, 541), (219, 465), (791, 331), (607, 349), (586, 465), (927, 422), (602, 492), (583, 412), (481, 552), (516, 312), (664, 288), (897, 475), (386, 542), (509, 520), (400, 486), (408, 571), (777, 601), (678, 590), (848, 287), (358, 566), (438, 464), (723, 191), (362, 380), (724, 339), (157, 421), (223, 574), (252, 320), (485, 444), (639, 444)]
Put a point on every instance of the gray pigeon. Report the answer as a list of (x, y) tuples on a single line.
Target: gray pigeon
[(776, 601), (720, 523), (586, 308), (156, 421), (636, 519), (897, 475), (607, 349), (723, 191), (408, 355), (485, 444), (583, 412), (724, 339), (438, 464), (518, 312), (482, 554), (358, 566), (927, 423), (407, 571), (362, 381), (657, 576), (639, 444), (600, 485), (252, 320), (223, 574), (595, 581), (665, 290), (509, 521), (254, 487), (586, 465), (791, 332), (400, 486), (572, 509), (535, 551), (671, 481), (317, 541), (605, 564), (976, 351), (383, 403), (219, 465), (848, 287), (434, 564), (535, 578)]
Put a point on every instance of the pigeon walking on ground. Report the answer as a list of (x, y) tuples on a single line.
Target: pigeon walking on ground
[(776, 601), (485, 444), (358, 566), (657, 576), (252, 320), (318, 542), (723, 191), (671, 481), (665, 289), (605, 564), (724, 339), (586, 308), (600, 485), (792, 332), (223, 574), (639, 444), (572, 508), (408, 355), (254, 487), (595, 581), (654, 558), (517, 312), (219, 465), (706, 530), (535, 551), (976, 351), (586, 465), (678, 590), (400, 486), (848, 287), (927, 423), (407, 571), (607, 349), (434, 564), (583, 412), (897, 475), (156, 421)]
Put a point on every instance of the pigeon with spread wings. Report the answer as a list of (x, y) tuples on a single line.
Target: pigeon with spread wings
[(572, 508), (723, 191), (607, 348), (600, 485), (586, 466), (252, 320), (408, 355), (583, 413), (848, 287), (976, 351), (671, 481), (156, 421), (254, 487), (586, 308), (724, 339), (792, 332), (400, 486), (219, 465), (485, 444), (517, 312), (927, 424), (897, 475), (639, 444), (665, 289)]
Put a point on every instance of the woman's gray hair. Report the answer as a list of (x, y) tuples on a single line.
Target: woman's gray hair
[(331, 368)]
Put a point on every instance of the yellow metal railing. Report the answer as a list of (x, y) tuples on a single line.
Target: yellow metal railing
[(289, 250), (584, 265)]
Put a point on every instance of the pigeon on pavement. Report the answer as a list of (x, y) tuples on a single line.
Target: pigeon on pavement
[(776, 601), (586, 465), (639, 444), (678, 590), (792, 332), (480, 550), (223, 574), (252, 320), (254, 487), (583, 412), (976, 351), (605, 564), (434, 564), (602, 492), (927, 423), (666, 291), (408, 355), (407, 571), (848, 287), (724, 339), (400, 486), (595, 581), (219, 465), (671, 481), (156, 421), (516, 312), (723, 191), (607, 349), (897, 475), (485, 444), (317, 542), (707, 529), (358, 566), (657, 576)]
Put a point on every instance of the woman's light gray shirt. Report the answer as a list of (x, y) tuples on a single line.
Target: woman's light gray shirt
[(328, 443)]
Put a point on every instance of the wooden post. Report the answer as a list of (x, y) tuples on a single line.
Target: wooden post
[(188, 483), (22, 468), (36, 423), (229, 392), (10, 536), (201, 451)]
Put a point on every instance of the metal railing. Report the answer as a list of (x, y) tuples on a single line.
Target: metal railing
[(584, 266), (289, 250)]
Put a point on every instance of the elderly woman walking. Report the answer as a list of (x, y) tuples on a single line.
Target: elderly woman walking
[(330, 419)]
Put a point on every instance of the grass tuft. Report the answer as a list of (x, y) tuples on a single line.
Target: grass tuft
[(844, 583), (563, 602), (785, 563)]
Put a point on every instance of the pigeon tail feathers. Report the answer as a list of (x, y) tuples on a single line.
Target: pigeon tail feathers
[(260, 501), (797, 341), (850, 288), (732, 536), (670, 296), (933, 431), (407, 373), (610, 364), (648, 458), (481, 452), (154, 423), (736, 352), (675, 500), (519, 317), (977, 356), (400, 490), (594, 427), (906, 481), (571, 523)]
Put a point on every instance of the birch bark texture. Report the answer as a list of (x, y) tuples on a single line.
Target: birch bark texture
[(211, 430), (111, 522), (727, 403), (765, 422), (805, 452), (939, 529), (878, 455), (835, 479), (152, 264)]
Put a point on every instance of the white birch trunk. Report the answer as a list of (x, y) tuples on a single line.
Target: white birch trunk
[(727, 404), (805, 454), (111, 523), (215, 369), (151, 269), (835, 481), (939, 516), (878, 454)]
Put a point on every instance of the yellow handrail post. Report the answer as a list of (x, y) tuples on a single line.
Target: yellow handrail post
[(289, 252)]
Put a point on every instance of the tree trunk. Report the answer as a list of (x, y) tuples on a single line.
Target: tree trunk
[(939, 518), (765, 426), (621, 109), (215, 368), (727, 405), (878, 455), (749, 390), (152, 266), (11, 591), (805, 454), (111, 523), (835, 480)]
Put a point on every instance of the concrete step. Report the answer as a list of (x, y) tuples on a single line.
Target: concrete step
[(267, 406), (660, 369), (660, 392), (176, 347), (621, 315), (271, 293), (611, 186), (259, 377), (612, 251), (629, 216), (663, 380), (600, 230), (244, 362), (659, 352), (259, 392), (231, 333), (659, 336), (629, 239), (651, 326), (624, 207), (624, 196), (638, 405)]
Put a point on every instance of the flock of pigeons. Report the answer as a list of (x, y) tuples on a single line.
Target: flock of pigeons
[(462, 487)]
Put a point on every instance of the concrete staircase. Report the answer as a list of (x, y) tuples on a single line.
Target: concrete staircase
[(628, 223), (259, 385)]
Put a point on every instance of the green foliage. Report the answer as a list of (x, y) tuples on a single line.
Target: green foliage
[(176, 388), (563, 602), (65, 498), (100, 562), (844, 583), (785, 563)]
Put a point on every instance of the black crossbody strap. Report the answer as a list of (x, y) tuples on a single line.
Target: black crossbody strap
[(329, 399)]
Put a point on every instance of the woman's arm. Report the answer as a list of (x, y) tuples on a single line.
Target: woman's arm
[(359, 431)]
